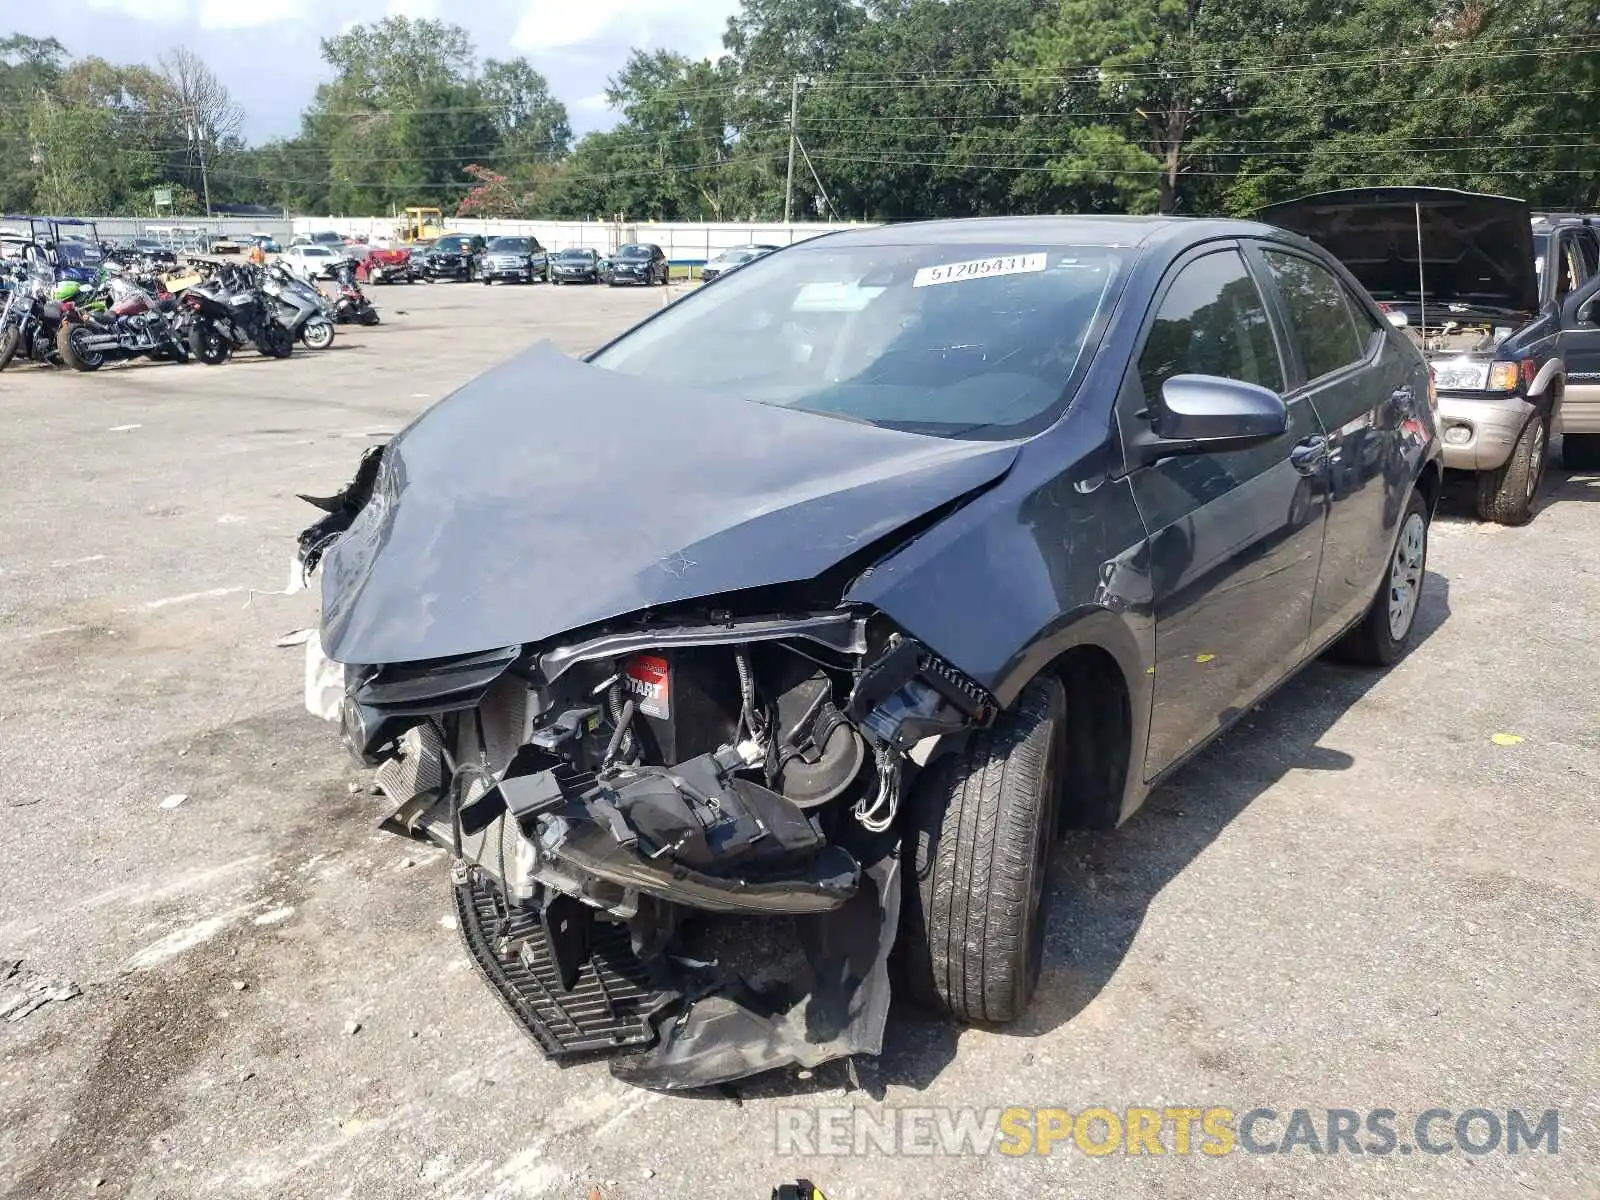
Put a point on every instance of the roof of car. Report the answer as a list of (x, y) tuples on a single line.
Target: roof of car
[(1054, 231)]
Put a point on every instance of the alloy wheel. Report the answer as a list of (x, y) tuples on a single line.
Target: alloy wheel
[(1536, 456), (1405, 575)]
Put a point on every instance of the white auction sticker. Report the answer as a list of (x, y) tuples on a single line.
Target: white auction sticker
[(979, 268)]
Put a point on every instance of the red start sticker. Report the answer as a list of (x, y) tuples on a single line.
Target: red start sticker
[(650, 680)]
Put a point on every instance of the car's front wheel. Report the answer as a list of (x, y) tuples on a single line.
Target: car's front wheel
[(1580, 451), (980, 829), (1382, 635), (1506, 494)]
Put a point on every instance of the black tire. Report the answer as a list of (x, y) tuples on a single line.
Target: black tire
[(370, 317), (1376, 641), (208, 345), (980, 828), (8, 345), (1506, 496), (487, 281), (275, 341), (66, 344), (1580, 451)]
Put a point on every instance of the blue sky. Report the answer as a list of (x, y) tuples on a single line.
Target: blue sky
[(266, 50)]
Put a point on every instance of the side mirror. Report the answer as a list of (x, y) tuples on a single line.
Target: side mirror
[(1205, 414), (1580, 307)]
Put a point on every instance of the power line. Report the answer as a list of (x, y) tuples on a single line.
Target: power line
[(470, 184), (1379, 175)]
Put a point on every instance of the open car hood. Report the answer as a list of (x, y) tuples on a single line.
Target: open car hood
[(1477, 249), (550, 494)]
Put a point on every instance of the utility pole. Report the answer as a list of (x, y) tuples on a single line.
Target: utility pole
[(794, 116), (198, 137)]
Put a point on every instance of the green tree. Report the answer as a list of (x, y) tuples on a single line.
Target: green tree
[(1124, 84), (29, 69), (532, 124)]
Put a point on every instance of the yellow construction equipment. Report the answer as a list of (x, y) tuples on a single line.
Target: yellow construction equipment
[(421, 225)]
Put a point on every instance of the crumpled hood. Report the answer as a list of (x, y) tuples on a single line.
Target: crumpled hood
[(1477, 248), (550, 494)]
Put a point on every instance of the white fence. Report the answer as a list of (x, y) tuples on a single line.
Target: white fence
[(126, 227), (686, 244)]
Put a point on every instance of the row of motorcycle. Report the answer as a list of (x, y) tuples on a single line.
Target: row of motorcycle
[(131, 310)]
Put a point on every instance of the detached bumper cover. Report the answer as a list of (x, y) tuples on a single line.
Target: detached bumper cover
[(708, 1025)]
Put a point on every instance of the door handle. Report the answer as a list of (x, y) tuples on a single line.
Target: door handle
[(1309, 456)]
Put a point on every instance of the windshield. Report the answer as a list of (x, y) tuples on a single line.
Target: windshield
[(510, 245), (450, 245), (733, 258), (577, 255), (959, 341), (634, 252)]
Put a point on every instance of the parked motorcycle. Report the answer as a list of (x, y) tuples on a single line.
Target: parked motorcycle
[(352, 307), (228, 312), (138, 322), (31, 318), (301, 309)]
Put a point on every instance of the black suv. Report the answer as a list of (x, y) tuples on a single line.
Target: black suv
[(453, 256), (638, 263)]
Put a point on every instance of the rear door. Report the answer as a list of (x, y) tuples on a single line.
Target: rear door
[(1580, 350), (1361, 386), (1235, 538)]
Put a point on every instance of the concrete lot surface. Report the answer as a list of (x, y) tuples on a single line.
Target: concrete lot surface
[(1361, 898)]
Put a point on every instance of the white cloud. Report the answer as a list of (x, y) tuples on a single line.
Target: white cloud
[(417, 10), (248, 14), (208, 14), (160, 11), (688, 26), (596, 103)]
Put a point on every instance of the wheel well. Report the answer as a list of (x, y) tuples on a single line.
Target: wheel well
[(1099, 738), (1428, 483)]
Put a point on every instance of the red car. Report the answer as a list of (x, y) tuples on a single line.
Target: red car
[(375, 264)]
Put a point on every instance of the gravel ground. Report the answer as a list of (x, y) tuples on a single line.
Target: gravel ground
[(1362, 897)]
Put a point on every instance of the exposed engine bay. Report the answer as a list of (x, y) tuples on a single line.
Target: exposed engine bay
[(600, 791)]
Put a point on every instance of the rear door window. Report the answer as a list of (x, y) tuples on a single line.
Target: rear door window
[(1320, 316), (1212, 321)]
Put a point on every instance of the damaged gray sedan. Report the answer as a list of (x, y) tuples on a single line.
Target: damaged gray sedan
[(818, 603)]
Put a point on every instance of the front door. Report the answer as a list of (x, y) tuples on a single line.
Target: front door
[(1234, 538)]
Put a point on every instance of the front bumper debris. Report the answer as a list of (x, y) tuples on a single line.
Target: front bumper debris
[(611, 1003)]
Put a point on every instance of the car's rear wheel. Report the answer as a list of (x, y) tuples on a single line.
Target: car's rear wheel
[(1580, 451), (980, 828), (1506, 495), (1382, 635)]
